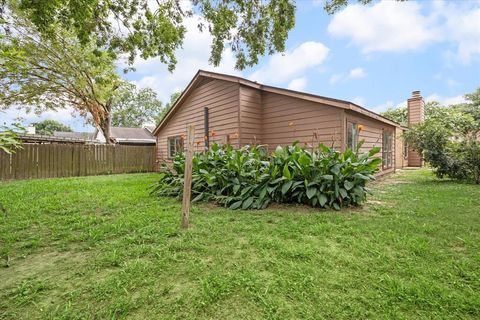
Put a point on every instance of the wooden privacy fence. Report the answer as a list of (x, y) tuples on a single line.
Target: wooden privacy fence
[(69, 160)]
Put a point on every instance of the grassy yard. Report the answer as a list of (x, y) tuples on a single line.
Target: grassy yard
[(102, 247)]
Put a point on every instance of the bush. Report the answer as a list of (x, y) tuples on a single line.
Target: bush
[(249, 178), (451, 152)]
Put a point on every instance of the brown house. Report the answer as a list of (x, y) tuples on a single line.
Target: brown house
[(229, 109)]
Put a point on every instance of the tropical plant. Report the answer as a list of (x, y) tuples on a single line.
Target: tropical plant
[(250, 178)]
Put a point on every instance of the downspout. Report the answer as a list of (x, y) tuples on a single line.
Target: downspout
[(206, 128)]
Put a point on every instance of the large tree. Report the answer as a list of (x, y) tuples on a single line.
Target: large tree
[(133, 107), (47, 127), (41, 73), (251, 28)]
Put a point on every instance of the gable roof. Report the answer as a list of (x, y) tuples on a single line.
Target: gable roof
[(127, 135), (122, 134), (202, 76), (74, 135)]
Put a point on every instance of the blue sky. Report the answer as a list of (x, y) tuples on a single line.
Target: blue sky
[(372, 55)]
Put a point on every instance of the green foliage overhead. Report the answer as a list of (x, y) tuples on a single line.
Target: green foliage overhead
[(251, 28), (249, 178), (47, 73), (47, 127), (133, 107), (333, 6), (9, 141)]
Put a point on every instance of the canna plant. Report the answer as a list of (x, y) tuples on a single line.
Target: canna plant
[(250, 178)]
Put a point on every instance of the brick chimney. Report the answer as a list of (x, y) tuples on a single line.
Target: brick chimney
[(416, 114)]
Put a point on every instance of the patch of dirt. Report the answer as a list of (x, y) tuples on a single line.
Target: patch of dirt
[(40, 264)]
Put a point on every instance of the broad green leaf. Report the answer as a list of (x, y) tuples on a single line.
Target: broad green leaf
[(286, 186), (361, 176), (236, 205), (335, 169), (311, 192), (247, 203), (236, 188), (304, 160), (373, 151), (343, 193), (263, 193), (348, 184), (286, 172), (322, 199)]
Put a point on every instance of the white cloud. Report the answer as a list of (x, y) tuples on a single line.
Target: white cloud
[(391, 26), (443, 100), (389, 104), (357, 73), (358, 100), (283, 67), (446, 101), (67, 116), (298, 84), (385, 26), (462, 28)]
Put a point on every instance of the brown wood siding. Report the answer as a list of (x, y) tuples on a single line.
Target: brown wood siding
[(372, 133), (400, 160), (222, 100), (286, 119), (250, 115)]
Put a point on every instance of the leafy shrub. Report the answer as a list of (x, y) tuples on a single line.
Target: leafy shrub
[(249, 178), (450, 146), (449, 139)]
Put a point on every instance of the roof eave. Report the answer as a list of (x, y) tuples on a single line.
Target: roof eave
[(301, 95)]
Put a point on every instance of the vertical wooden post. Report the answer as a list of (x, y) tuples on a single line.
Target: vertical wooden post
[(187, 183)]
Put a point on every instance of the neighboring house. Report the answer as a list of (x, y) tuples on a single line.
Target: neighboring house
[(128, 136), (150, 127), (44, 139), (229, 109), (75, 135)]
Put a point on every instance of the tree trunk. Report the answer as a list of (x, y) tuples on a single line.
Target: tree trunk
[(105, 128)]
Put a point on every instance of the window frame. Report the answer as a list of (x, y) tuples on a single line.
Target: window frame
[(356, 134), (405, 151), (178, 146), (387, 153)]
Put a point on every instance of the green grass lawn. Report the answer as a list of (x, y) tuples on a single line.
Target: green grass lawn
[(102, 247)]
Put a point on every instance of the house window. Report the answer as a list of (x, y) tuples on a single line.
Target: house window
[(405, 150), (352, 135), (387, 152), (175, 145)]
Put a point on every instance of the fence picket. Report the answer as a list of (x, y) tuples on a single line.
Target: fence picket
[(56, 160)]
